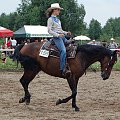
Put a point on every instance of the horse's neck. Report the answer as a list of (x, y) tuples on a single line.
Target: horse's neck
[(90, 60)]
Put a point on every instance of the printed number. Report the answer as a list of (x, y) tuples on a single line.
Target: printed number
[(44, 53)]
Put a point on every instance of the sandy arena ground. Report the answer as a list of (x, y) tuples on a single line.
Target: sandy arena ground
[(97, 99)]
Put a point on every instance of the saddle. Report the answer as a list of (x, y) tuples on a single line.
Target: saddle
[(49, 49)]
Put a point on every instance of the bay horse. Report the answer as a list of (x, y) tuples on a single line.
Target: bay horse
[(86, 55)]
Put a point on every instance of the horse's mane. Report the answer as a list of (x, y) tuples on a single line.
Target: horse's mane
[(94, 50)]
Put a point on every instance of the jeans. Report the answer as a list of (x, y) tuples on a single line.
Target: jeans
[(59, 42)]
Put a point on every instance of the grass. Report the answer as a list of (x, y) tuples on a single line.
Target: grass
[(96, 66), (9, 65), (117, 65)]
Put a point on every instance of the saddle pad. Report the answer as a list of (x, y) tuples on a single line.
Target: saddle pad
[(49, 50)]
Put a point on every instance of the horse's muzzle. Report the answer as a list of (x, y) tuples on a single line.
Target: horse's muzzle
[(104, 75)]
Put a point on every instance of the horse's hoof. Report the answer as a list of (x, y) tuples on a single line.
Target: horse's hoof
[(58, 102), (22, 100), (77, 109), (27, 101)]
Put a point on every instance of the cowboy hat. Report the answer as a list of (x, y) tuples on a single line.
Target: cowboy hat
[(112, 39), (55, 6)]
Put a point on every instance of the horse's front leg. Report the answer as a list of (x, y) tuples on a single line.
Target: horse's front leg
[(73, 86), (74, 98)]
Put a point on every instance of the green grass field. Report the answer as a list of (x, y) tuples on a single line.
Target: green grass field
[(96, 66), (9, 65)]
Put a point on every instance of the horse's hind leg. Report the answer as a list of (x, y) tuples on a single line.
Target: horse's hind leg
[(27, 77)]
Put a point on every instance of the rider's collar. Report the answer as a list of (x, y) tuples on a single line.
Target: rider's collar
[(53, 16)]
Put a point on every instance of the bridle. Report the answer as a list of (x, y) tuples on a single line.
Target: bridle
[(110, 63)]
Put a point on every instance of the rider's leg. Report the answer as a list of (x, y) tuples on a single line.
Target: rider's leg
[(59, 42), (67, 66), (60, 45)]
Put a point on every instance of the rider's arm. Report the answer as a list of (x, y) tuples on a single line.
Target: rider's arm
[(116, 46), (64, 32), (49, 26)]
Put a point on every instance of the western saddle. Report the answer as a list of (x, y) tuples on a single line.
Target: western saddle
[(54, 52)]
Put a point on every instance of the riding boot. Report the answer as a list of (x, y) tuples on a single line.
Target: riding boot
[(66, 72)]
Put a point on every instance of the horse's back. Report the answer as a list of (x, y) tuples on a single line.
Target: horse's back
[(31, 49)]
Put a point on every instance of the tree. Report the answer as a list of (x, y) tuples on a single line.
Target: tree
[(33, 12), (116, 27), (12, 20), (24, 11), (111, 29), (4, 20), (108, 29), (33, 16), (94, 29)]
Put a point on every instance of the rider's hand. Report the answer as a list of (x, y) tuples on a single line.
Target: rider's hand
[(61, 35), (69, 33)]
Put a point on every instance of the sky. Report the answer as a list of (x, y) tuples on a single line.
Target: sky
[(8, 6), (100, 10)]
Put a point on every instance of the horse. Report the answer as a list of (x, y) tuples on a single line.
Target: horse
[(86, 55)]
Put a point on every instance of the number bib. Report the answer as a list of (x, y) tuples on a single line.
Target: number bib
[(44, 53)]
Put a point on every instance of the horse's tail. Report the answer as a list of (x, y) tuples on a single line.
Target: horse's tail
[(26, 61), (16, 54)]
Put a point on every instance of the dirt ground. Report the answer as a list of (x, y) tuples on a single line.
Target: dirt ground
[(97, 99)]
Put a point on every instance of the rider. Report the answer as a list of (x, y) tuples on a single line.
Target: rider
[(55, 29)]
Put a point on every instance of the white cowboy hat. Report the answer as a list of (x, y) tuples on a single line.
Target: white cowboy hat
[(55, 6), (93, 40), (112, 39)]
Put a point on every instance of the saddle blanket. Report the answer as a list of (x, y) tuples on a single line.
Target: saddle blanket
[(48, 49)]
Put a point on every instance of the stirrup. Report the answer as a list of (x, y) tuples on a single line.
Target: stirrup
[(66, 72)]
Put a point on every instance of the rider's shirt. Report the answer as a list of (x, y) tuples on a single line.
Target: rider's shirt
[(54, 26), (113, 45)]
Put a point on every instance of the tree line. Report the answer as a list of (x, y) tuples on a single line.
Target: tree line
[(32, 12), (110, 30)]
